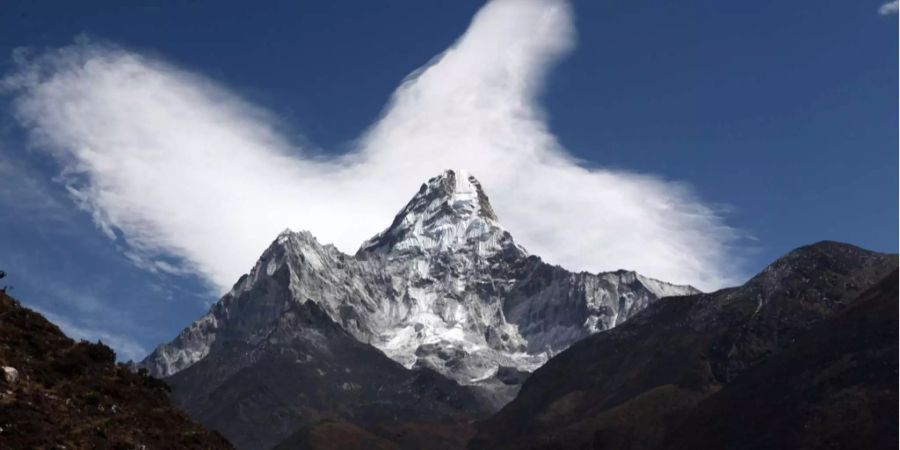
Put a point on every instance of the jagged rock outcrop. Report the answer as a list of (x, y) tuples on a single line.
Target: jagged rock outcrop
[(444, 287), (432, 324)]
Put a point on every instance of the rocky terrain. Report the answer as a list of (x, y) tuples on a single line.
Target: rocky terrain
[(444, 287), (433, 323), (306, 375), (836, 388), (56, 393), (804, 355), (436, 322)]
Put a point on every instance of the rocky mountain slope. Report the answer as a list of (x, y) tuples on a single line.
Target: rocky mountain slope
[(432, 324), (444, 287), (57, 393), (804, 355), (305, 372), (838, 384)]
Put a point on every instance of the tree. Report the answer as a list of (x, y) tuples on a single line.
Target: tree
[(5, 287)]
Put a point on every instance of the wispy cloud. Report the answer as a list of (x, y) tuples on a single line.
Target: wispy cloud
[(183, 168), (25, 193), (889, 8), (125, 347)]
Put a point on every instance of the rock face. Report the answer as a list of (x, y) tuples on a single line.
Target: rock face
[(10, 375), (804, 355), (444, 287), (56, 393), (295, 378), (432, 324), (838, 384)]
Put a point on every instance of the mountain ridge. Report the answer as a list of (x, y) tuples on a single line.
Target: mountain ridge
[(445, 287), (630, 387), (306, 369)]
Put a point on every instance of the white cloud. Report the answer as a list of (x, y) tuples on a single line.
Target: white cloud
[(889, 8), (183, 168)]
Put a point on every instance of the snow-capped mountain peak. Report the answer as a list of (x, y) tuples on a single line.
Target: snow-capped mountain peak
[(444, 287), (450, 212), (457, 190)]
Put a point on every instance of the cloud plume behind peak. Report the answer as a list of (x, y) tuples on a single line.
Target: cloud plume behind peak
[(182, 168)]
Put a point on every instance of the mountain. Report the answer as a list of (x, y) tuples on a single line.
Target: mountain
[(444, 287), (431, 325), (304, 372), (804, 355), (838, 383), (57, 393)]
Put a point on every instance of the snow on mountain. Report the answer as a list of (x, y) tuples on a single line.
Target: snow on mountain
[(449, 213), (445, 286)]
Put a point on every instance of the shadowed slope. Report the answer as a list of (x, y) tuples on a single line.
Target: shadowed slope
[(307, 370), (629, 387), (835, 388)]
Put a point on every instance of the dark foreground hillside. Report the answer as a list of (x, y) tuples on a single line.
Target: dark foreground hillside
[(838, 384), (56, 393), (803, 356)]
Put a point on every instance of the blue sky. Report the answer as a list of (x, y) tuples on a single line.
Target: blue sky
[(780, 116)]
